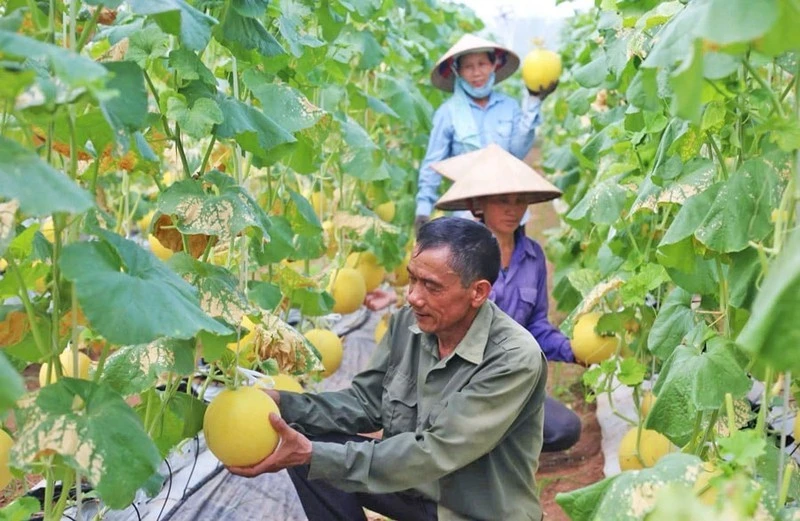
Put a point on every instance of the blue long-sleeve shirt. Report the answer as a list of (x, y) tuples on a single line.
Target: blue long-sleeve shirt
[(501, 121), (521, 291)]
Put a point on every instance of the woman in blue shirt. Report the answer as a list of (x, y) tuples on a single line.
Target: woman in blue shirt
[(497, 188), (475, 115)]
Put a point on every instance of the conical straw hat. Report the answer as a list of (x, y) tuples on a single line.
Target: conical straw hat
[(491, 171), (442, 76)]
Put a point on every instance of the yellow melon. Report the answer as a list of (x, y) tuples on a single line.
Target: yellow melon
[(587, 345), (652, 447), (329, 346), (540, 68), (367, 263), (348, 289)]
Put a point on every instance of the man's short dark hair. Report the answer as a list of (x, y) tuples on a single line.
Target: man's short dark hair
[(474, 252)]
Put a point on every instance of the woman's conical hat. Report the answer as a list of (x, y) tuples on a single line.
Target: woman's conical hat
[(491, 171), (442, 75)]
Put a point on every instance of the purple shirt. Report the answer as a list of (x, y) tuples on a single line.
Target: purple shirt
[(521, 291)]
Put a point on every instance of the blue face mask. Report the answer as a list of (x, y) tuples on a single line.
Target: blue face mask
[(475, 92)]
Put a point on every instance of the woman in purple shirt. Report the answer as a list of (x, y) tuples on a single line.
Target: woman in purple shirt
[(521, 288)]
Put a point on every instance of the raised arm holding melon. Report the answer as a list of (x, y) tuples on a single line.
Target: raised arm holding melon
[(476, 115)]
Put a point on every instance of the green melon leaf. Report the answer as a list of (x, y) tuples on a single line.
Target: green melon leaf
[(290, 23), (733, 21), (264, 294), (674, 321), (583, 503), (242, 34), (189, 67), (179, 18), (222, 212), (11, 384), (280, 246), (196, 121), (284, 105), (94, 431), (74, 69), (250, 8), (181, 419), (253, 130), (39, 188), (21, 509), (127, 110), (129, 296), (771, 333), (741, 211), (220, 296), (133, 369), (603, 204)]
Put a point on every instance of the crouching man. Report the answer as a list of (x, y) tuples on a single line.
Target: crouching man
[(458, 388)]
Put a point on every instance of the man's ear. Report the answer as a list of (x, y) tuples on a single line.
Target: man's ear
[(480, 292)]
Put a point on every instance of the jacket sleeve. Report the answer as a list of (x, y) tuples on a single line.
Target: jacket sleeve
[(440, 146), (526, 121), (349, 411), (474, 420), (555, 345)]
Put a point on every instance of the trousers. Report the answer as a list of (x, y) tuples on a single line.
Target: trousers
[(562, 427), (323, 502)]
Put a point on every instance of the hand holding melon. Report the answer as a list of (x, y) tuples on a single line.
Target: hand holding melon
[(540, 72)]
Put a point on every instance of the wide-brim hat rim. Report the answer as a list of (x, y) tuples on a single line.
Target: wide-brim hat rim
[(476, 175), (443, 78)]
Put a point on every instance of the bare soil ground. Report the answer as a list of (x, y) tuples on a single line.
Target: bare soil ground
[(582, 464)]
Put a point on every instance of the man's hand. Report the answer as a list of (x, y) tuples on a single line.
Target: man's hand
[(542, 94), (419, 221), (379, 299), (293, 449)]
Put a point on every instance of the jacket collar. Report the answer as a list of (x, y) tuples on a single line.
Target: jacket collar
[(521, 239), (472, 346)]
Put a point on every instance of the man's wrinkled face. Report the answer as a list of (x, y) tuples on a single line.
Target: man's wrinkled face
[(435, 293), (475, 68)]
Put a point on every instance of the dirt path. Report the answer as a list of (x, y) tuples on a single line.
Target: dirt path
[(582, 464)]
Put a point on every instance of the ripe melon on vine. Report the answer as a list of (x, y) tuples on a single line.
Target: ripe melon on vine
[(285, 382), (245, 345), (319, 203), (401, 271), (5, 447), (386, 211), (68, 368), (367, 263), (348, 289), (329, 346), (706, 492), (540, 68), (647, 402), (652, 447), (144, 223), (587, 345), (158, 249), (237, 427)]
